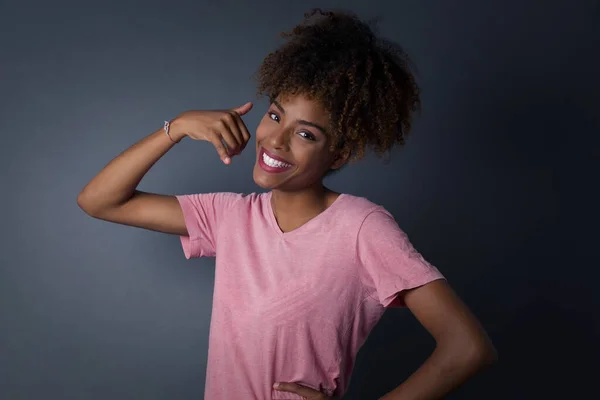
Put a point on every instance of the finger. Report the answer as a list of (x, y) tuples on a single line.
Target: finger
[(242, 110), (229, 138), (295, 388), (215, 139), (244, 133), (232, 122)]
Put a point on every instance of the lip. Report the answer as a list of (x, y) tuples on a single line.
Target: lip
[(273, 156), (269, 168)]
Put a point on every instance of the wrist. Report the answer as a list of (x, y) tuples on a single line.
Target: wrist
[(176, 129)]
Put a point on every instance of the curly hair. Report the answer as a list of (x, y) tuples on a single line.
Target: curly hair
[(364, 82)]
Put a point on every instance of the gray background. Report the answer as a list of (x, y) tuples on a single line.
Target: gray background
[(92, 310)]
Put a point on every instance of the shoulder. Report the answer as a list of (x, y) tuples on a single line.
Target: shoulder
[(221, 201), (361, 207), (247, 199), (224, 196), (372, 220), (350, 214)]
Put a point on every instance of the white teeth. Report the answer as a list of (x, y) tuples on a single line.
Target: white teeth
[(274, 163)]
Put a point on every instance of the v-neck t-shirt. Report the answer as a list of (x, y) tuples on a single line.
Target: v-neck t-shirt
[(295, 306)]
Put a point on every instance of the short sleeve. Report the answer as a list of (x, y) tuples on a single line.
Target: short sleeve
[(202, 214), (391, 263)]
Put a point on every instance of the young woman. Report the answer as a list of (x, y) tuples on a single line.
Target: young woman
[(303, 273)]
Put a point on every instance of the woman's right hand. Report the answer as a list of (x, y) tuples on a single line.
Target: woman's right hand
[(217, 127)]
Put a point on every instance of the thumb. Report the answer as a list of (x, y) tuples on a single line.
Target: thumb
[(243, 109)]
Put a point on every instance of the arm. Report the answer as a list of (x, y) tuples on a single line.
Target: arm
[(462, 346), (112, 195)]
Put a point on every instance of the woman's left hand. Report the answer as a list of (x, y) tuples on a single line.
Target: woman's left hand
[(306, 392)]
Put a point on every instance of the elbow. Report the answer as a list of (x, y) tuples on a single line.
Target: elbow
[(480, 354), (81, 202), (473, 354), (485, 355), (86, 205)]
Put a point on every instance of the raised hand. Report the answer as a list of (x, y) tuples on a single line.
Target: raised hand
[(223, 128)]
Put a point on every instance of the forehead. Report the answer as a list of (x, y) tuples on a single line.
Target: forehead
[(300, 106)]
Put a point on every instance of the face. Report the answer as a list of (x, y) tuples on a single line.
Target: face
[(292, 145)]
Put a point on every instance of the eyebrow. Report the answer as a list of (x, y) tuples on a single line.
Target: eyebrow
[(301, 121)]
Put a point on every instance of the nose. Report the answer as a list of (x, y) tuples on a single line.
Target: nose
[(280, 139)]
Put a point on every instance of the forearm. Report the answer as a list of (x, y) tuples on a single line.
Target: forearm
[(444, 371), (118, 180)]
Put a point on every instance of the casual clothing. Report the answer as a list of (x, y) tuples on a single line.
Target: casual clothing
[(295, 306)]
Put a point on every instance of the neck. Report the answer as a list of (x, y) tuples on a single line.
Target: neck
[(294, 208)]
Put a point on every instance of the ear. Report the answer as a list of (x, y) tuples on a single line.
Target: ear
[(340, 159)]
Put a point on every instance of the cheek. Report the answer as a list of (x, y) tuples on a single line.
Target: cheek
[(312, 157), (262, 130), (326, 158)]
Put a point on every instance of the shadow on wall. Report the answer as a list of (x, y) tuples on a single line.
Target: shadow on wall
[(500, 240), (545, 351)]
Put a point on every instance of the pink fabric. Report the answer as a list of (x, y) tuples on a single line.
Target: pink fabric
[(295, 306)]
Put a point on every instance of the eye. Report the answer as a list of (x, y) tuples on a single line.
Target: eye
[(307, 135), (273, 116)]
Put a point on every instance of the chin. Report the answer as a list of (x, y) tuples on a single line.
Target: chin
[(273, 181), (261, 184), (262, 180)]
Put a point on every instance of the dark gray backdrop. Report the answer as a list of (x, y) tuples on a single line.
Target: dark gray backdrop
[(91, 310)]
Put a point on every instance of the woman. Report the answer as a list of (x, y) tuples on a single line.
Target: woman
[(303, 273)]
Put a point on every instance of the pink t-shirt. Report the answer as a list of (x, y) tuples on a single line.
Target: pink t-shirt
[(295, 306)]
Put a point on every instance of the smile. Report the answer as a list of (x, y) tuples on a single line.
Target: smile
[(272, 163)]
